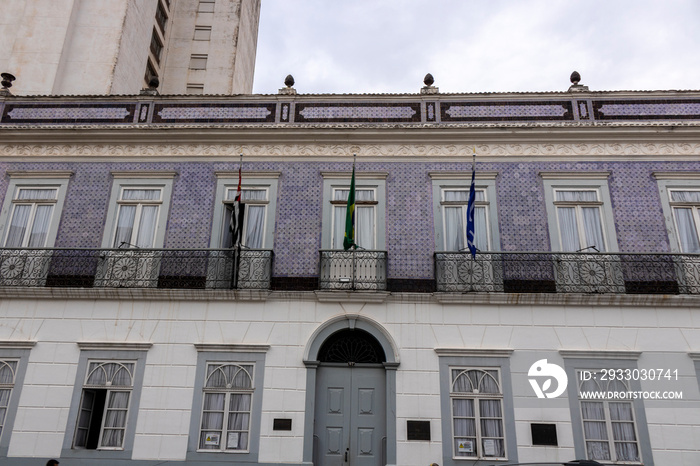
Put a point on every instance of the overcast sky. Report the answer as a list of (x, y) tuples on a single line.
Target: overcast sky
[(387, 46)]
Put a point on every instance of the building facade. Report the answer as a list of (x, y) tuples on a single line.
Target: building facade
[(76, 47), (133, 332)]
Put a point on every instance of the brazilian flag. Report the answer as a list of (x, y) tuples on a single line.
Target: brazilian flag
[(349, 239)]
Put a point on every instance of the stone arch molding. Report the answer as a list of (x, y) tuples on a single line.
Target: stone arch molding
[(352, 321)]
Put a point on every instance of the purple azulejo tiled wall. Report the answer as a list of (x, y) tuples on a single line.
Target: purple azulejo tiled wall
[(409, 229)]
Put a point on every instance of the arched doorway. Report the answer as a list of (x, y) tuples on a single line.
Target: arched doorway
[(351, 395)]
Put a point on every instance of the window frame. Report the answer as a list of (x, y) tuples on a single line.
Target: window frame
[(227, 393), (485, 181), (476, 398), (15, 351), (206, 10), (228, 180), (198, 30), (333, 181), (136, 180), (208, 353), (575, 361), (198, 62), (35, 180), (358, 205), (113, 352), (575, 181), (675, 181), (481, 359), (109, 390)]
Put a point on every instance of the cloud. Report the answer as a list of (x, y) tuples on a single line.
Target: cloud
[(388, 46)]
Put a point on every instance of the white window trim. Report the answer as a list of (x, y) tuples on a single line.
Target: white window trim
[(476, 397), (226, 428), (576, 360), (106, 351), (587, 181), (485, 181), (208, 353), (226, 180), (43, 180), (666, 181), (363, 180), (15, 351), (146, 180), (109, 390)]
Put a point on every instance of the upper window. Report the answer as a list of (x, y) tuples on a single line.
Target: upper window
[(32, 209), (579, 212), (450, 201), (259, 197), (104, 406), (137, 217), (202, 33), (255, 201), (365, 217), (226, 408), (138, 212), (206, 6), (685, 205), (370, 215), (680, 202), (579, 219), (198, 62), (477, 413)]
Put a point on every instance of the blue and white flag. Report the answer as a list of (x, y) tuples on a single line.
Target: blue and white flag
[(470, 216)]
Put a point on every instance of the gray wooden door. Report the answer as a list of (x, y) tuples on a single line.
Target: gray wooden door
[(350, 418)]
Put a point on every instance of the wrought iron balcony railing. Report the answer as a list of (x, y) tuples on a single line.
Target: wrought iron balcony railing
[(550, 272), (353, 270), (137, 268)]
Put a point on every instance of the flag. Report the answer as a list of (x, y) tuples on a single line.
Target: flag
[(237, 215), (349, 239), (470, 216)]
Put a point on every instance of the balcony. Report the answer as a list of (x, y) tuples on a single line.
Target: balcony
[(549, 272), (137, 268), (353, 270)]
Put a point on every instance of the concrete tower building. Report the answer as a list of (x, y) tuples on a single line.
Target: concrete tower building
[(81, 47)]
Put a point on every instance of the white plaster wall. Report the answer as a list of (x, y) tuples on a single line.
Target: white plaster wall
[(418, 326), (134, 45), (234, 26), (33, 33)]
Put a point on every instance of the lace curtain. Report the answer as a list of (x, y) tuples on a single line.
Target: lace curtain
[(22, 221), (596, 431), (364, 219), (569, 218), (489, 417), (126, 218)]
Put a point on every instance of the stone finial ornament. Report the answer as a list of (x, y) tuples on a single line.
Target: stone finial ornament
[(7, 79), (429, 88), (289, 82), (575, 86), (575, 78), (152, 88)]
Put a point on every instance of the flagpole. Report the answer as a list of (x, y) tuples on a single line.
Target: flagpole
[(237, 213), (354, 249), (471, 240)]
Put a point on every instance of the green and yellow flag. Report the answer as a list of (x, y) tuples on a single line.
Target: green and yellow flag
[(349, 239)]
